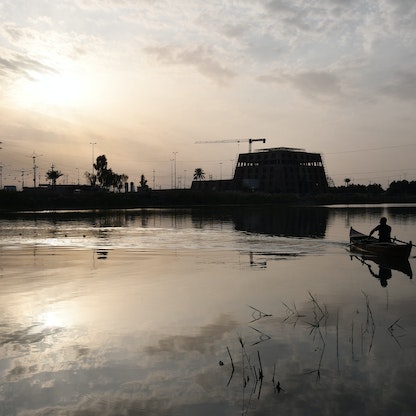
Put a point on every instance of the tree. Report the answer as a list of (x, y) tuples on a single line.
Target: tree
[(199, 174), (53, 175), (122, 179), (92, 179), (143, 182), (347, 181), (105, 176), (102, 172)]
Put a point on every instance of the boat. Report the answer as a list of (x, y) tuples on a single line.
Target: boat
[(362, 243)]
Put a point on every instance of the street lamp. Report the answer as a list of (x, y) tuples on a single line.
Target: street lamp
[(1, 172), (171, 173), (92, 152), (174, 167)]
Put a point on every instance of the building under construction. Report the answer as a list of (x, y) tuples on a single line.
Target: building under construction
[(275, 170), (281, 169)]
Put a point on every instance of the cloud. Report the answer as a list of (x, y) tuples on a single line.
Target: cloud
[(207, 336), (323, 17), (15, 33), (400, 14), (312, 84), (19, 65), (402, 86), (44, 44), (114, 4), (202, 58)]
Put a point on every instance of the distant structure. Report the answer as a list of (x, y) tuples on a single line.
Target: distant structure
[(281, 169), (275, 170)]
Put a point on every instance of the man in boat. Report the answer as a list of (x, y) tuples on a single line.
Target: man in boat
[(384, 231)]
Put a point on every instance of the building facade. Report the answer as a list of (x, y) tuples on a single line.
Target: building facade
[(280, 170)]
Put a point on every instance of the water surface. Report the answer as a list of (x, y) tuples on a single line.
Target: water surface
[(231, 311)]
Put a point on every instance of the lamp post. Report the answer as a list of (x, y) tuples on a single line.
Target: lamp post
[(1, 172), (92, 153), (34, 156), (171, 173), (174, 168)]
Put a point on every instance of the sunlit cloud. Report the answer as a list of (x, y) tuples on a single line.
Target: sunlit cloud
[(202, 59), (17, 65)]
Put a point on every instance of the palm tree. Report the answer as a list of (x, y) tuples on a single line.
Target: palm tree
[(53, 175), (199, 174)]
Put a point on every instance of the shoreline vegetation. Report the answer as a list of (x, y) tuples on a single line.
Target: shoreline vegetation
[(51, 199)]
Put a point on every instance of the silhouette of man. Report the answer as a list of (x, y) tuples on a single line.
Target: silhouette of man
[(384, 231), (384, 273)]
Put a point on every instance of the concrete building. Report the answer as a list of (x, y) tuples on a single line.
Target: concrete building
[(275, 170), (281, 169)]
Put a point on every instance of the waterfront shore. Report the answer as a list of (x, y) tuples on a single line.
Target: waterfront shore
[(50, 200)]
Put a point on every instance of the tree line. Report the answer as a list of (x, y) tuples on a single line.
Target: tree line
[(104, 177), (395, 187)]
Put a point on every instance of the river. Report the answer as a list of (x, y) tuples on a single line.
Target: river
[(204, 312)]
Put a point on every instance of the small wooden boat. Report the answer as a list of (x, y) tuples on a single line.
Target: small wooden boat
[(364, 244)]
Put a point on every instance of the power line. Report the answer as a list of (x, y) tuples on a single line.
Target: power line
[(371, 148), (375, 171)]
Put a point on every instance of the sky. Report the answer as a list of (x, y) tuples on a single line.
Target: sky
[(140, 81)]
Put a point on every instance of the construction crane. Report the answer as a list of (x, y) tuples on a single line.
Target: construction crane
[(250, 141)]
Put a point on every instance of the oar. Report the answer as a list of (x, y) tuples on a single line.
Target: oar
[(404, 242), (362, 261)]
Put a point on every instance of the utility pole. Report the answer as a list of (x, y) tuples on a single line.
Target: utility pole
[(22, 173), (175, 167), (34, 171), (34, 156)]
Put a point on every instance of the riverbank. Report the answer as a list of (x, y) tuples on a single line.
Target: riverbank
[(51, 200)]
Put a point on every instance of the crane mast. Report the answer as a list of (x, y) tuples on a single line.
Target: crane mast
[(250, 141)]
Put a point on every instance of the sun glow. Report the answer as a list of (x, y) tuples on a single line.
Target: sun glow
[(52, 90), (56, 316), (52, 319)]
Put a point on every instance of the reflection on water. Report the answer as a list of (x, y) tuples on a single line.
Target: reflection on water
[(204, 312), (381, 267), (295, 222)]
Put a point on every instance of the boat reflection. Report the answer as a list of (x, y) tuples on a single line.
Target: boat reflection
[(381, 268)]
